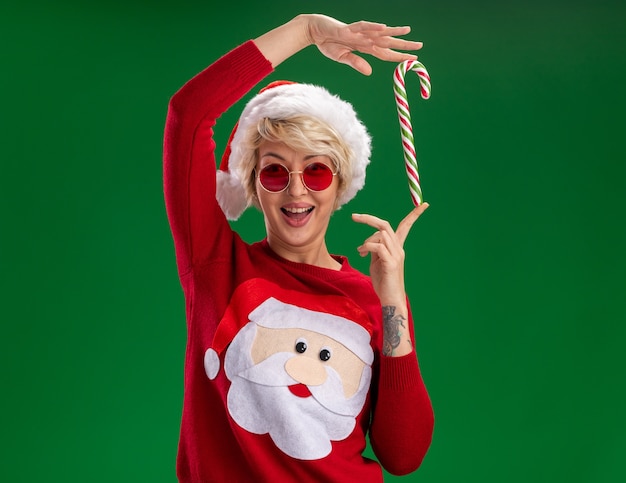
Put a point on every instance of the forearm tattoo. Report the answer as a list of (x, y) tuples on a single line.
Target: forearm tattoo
[(391, 329)]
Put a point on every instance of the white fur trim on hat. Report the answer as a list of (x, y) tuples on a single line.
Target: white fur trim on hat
[(284, 102), (231, 194)]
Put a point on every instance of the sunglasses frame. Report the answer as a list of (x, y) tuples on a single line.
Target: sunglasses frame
[(301, 173)]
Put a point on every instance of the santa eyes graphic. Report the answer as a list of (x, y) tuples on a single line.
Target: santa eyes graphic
[(299, 375), (301, 347)]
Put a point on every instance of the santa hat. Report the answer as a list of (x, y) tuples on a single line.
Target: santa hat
[(284, 100)]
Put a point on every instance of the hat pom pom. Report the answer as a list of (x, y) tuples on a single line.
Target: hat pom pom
[(231, 195), (211, 363)]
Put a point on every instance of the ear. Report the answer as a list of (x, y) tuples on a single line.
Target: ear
[(341, 188), (254, 195)]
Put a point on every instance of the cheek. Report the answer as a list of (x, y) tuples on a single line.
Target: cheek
[(331, 197)]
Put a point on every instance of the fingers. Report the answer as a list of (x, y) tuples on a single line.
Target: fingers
[(384, 242), (389, 55), (383, 43), (381, 244), (386, 248), (371, 246), (339, 42), (404, 227), (401, 44), (364, 26), (378, 29), (373, 221), (357, 63)]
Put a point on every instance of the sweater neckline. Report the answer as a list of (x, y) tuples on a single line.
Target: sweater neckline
[(321, 272)]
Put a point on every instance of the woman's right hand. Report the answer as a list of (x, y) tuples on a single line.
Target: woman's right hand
[(338, 41)]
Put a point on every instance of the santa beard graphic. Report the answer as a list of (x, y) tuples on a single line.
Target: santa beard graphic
[(272, 392)]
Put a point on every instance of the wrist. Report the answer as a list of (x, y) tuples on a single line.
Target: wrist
[(284, 41), (303, 24), (397, 300), (396, 333)]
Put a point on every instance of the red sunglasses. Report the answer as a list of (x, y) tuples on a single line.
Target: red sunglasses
[(276, 178)]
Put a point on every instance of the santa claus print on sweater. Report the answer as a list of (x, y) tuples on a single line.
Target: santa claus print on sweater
[(299, 373)]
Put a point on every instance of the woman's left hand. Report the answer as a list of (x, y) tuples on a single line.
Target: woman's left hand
[(386, 247)]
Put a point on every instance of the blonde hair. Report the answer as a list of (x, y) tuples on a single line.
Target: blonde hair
[(302, 133)]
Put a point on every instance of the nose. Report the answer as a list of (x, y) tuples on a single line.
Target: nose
[(306, 370), (296, 184)]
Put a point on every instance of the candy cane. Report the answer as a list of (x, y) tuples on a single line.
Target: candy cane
[(406, 130)]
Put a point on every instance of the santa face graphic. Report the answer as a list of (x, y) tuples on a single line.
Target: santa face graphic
[(298, 375)]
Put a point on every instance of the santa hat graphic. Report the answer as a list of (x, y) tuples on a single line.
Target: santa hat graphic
[(284, 100)]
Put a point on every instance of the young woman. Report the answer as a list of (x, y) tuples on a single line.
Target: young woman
[(293, 357)]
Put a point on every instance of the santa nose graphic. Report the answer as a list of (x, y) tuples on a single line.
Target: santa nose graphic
[(306, 370)]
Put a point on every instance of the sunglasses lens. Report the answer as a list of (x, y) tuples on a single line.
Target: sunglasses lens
[(274, 177), (317, 176)]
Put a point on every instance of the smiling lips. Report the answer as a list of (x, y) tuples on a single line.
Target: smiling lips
[(296, 216)]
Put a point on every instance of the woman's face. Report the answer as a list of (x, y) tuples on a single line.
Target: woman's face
[(296, 218)]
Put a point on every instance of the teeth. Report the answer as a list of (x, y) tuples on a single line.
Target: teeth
[(298, 210)]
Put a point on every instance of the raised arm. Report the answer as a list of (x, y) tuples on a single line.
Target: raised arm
[(402, 424), (198, 225)]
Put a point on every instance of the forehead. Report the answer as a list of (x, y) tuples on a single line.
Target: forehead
[(271, 152), (276, 147)]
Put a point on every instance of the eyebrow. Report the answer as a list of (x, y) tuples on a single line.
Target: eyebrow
[(275, 155)]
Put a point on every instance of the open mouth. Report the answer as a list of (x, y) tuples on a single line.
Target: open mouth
[(297, 214)]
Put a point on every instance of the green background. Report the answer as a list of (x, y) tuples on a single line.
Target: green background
[(516, 273)]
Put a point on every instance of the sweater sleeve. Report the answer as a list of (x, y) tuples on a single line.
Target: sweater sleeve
[(199, 227), (403, 420)]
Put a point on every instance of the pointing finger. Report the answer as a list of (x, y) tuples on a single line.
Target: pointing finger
[(372, 221), (405, 225)]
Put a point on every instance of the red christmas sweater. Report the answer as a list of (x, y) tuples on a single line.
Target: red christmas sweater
[(284, 375)]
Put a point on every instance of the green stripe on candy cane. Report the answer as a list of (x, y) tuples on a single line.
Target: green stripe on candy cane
[(404, 116)]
